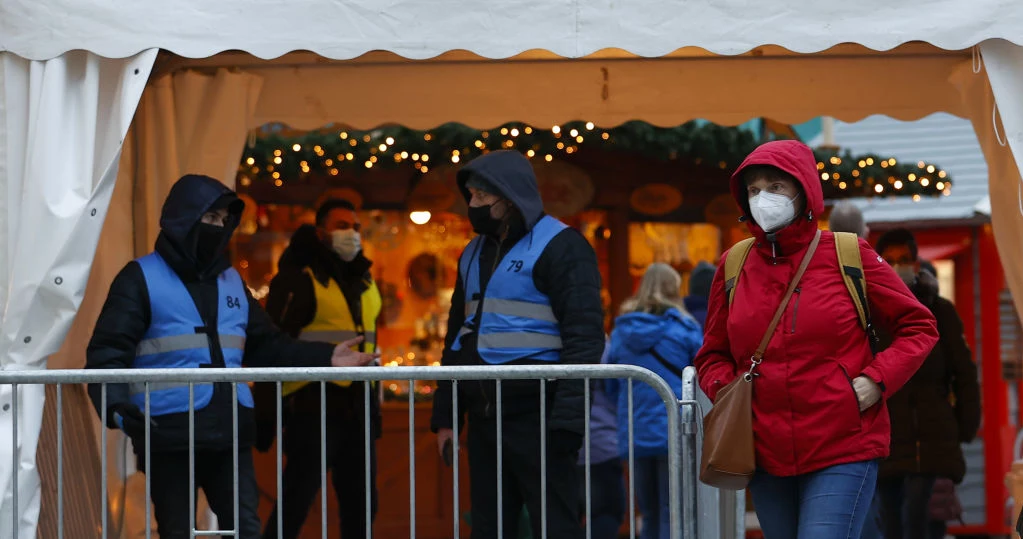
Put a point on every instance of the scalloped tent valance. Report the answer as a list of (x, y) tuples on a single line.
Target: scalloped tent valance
[(43, 29), (849, 82)]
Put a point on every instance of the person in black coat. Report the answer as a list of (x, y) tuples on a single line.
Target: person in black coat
[(199, 216), (506, 210), (934, 413), (315, 259)]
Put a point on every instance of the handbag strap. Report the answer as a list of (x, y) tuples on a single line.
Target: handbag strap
[(673, 369), (758, 356)]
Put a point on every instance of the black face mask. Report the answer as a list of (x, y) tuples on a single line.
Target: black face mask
[(209, 243), (482, 222)]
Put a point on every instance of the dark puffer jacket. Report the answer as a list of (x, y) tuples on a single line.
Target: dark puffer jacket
[(126, 316), (927, 427), (566, 272)]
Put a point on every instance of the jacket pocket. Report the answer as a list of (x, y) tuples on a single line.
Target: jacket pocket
[(852, 389), (825, 407)]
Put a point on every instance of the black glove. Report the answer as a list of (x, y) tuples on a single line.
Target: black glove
[(564, 441), (128, 418)]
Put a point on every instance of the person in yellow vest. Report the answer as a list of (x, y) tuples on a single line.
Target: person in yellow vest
[(324, 292)]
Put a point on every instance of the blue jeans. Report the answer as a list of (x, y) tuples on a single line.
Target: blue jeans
[(652, 496), (827, 504)]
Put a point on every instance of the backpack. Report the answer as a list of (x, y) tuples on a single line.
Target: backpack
[(847, 246)]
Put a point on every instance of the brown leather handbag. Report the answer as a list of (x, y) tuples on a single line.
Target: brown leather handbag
[(729, 457)]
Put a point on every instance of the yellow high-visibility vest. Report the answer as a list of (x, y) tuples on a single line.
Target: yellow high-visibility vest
[(334, 322)]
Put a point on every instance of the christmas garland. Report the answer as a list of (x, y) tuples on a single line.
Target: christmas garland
[(281, 159)]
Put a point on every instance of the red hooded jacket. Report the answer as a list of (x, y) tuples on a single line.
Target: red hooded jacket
[(805, 413)]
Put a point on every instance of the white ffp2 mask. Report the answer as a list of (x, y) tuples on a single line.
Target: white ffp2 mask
[(346, 243), (772, 211)]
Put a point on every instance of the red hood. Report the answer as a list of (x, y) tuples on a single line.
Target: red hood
[(796, 159)]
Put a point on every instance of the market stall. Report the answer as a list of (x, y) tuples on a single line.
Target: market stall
[(639, 193)]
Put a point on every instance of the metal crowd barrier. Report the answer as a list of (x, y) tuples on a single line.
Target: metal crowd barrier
[(684, 429), (719, 513)]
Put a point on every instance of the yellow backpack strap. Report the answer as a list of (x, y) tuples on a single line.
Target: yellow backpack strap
[(734, 261), (847, 245)]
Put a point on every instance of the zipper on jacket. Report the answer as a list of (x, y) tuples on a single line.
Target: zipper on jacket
[(479, 323), (795, 309)]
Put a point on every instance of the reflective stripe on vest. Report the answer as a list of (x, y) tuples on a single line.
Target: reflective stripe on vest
[(520, 340), (516, 319), (139, 388), (334, 322), (175, 343), (523, 309), (512, 307), (171, 340)]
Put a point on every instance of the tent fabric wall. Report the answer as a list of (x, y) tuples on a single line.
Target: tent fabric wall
[(306, 92), (62, 122), (1002, 142), (570, 28), (188, 123), (114, 250)]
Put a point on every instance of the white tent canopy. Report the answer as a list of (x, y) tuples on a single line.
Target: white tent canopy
[(73, 74), (44, 29)]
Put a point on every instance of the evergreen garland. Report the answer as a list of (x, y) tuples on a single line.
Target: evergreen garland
[(278, 159)]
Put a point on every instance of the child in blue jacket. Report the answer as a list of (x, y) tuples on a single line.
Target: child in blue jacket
[(654, 331)]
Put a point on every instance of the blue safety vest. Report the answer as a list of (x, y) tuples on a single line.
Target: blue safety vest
[(516, 320), (171, 342)]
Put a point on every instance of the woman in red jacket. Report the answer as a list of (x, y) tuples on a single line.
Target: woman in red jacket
[(820, 422)]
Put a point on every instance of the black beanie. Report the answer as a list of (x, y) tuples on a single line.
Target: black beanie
[(700, 279)]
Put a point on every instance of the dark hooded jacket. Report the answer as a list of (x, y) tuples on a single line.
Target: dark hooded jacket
[(566, 272), (126, 315), (927, 425), (291, 304)]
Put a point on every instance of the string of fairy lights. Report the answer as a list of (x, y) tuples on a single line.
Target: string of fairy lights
[(884, 176), (280, 160)]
